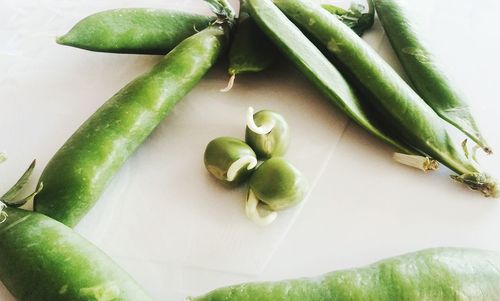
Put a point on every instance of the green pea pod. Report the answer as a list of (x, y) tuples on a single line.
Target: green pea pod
[(134, 30), (42, 259), (406, 111), (250, 51), (317, 68), (442, 274), (79, 172), (425, 72)]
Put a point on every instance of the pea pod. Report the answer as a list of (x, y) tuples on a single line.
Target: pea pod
[(134, 30), (443, 274), (42, 259), (419, 125), (230, 160), (318, 69), (78, 173), (424, 72), (250, 51)]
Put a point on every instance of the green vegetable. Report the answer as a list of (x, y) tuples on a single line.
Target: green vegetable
[(444, 274), (43, 260), (354, 17), (425, 72), (134, 30), (406, 111), (79, 172), (230, 160), (276, 185), (250, 51), (318, 69), (267, 133)]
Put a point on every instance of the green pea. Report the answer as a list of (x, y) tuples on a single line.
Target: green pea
[(267, 133), (230, 160), (275, 185)]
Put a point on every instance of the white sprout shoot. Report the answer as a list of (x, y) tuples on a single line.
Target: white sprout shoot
[(264, 129), (416, 161), (229, 84), (252, 211), (3, 214), (237, 165)]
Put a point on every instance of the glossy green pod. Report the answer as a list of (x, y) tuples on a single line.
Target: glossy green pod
[(79, 172), (134, 30), (230, 160), (443, 274), (424, 72), (419, 125), (43, 260)]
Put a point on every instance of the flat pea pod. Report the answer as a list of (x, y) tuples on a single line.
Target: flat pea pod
[(134, 30), (250, 51), (442, 274), (267, 132), (415, 120), (317, 68), (230, 160), (276, 185), (78, 173), (42, 259), (424, 72)]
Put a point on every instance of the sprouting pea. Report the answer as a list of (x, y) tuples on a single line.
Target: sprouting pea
[(267, 133), (275, 185), (230, 160)]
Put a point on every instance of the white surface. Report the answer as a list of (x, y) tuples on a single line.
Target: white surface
[(173, 228)]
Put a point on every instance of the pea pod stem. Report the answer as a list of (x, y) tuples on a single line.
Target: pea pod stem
[(249, 161), (263, 129), (419, 162), (252, 211), (230, 84), (3, 213)]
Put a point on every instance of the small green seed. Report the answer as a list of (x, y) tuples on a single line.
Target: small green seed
[(230, 160), (275, 185), (267, 133)]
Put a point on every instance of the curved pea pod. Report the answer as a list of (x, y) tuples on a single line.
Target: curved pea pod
[(230, 160), (78, 173), (250, 51), (424, 72), (267, 133), (441, 274), (42, 259), (134, 30), (317, 68), (276, 185), (418, 124)]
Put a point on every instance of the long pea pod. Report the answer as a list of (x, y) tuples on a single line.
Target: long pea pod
[(317, 68), (424, 72), (419, 125), (443, 274), (134, 30), (42, 259), (78, 173)]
